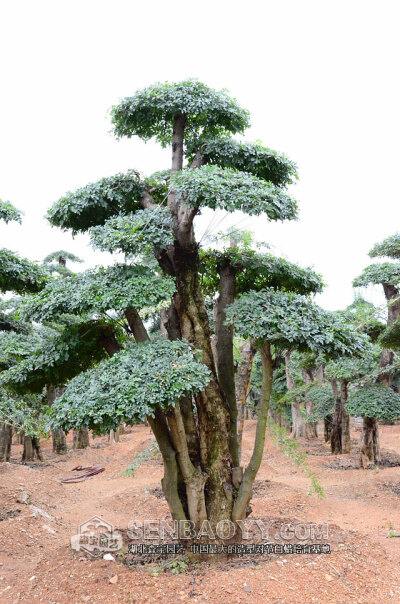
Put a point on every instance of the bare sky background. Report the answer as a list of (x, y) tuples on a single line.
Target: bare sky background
[(321, 80)]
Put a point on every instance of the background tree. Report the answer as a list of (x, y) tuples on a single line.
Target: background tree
[(226, 275), (283, 321), (388, 275), (17, 275), (56, 263), (373, 402)]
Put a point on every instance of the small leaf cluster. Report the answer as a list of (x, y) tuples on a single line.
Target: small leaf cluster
[(390, 338), (350, 368), (61, 256), (19, 274), (324, 402), (137, 233), (129, 386), (8, 212)]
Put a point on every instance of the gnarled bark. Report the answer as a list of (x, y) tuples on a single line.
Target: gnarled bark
[(369, 443), (311, 427), (193, 477), (224, 347), (245, 490), (5, 441), (340, 432), (58, 435), (81, 439), (243, 374), (32, 449), (298, 422), (169, 482)]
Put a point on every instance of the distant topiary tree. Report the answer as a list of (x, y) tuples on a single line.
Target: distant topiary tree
[(386, 274), (373, 402), (20, 276)]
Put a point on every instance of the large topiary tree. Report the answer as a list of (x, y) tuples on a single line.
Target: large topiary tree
[(173, 382)]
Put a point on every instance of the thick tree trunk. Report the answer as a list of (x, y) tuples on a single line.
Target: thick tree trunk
[(114, 435), (59, 441), (245, 490), (32, 449), (311, 427), (346, 442), (171, 329), (194, 478), (81, 439), (340, 433), (169, 482), (299, 429), (369, 443), (5, 442), (182, 261), (336, 431), (58, 435), (298, 423), (328, 427), (212, 409), (247, 354), (224, 346)]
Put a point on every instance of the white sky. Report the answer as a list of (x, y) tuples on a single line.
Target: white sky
[(321, 80)]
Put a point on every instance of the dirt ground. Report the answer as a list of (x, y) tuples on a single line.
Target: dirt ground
[(361, 507)]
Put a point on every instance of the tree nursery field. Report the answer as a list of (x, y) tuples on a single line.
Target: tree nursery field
[(360, 508)]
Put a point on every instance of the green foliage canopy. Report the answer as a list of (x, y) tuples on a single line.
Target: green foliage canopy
[(230, 190), (150, 112), (117, 287), (19, 274), (129, 386), (376, 274), (93, 204), (256, 271), (137, 233), (389, 247), (290, 321), (54, 358), (374, 401), (246, 157)]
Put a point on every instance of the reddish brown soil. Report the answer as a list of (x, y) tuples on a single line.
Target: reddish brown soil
[(361, 506)]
